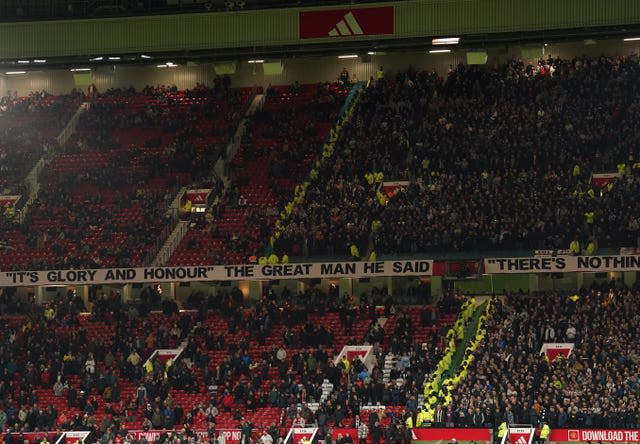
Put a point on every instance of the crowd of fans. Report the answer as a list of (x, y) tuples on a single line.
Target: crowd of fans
[(509, 381), (595, 387), (496, 159), (28, 127), (281, 141), (305, 358), (50, 349)]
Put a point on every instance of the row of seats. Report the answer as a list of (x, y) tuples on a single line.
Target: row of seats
[(104, 197), (109, 332), (280, 144)]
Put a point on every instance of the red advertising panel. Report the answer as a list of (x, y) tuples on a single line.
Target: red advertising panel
[(602, 179), (595, 435), (438, 434), (165, 354), (351, 354), (390, 189), (346, 22), (554, 350), (520, 435), (232, 436), (301, 435), (199, 196), (8, 201)]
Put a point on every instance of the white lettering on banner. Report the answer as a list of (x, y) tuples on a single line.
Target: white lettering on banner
[(76, 434), (232, 436), (609, 435), (601, 435), (217, 273), (563, 264), (199, 196)]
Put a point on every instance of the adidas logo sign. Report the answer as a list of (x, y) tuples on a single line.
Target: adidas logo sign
[(521, 440), (348, 26)]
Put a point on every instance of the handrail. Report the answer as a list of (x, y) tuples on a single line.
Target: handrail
[(32, 181)]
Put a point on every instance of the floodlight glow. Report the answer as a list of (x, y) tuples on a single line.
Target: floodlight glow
[(446, 41)]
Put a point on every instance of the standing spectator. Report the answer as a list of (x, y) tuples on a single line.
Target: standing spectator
[(90, 365), (141, 395), (376, 433), (245, 431), (266, 438), (363, 432)]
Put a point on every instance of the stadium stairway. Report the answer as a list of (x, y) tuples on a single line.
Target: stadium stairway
[(221, 167), (306, 119), (32, 181)]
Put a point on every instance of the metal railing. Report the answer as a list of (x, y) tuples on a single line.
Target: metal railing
[(171, 243), (32, 181), (71, 126)]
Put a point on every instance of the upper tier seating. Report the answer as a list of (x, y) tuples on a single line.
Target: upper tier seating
[(28, 128), (104, 199), (497, 159), (281, 142)]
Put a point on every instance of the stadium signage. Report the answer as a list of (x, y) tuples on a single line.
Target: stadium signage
[(585, 435), (198, 196), (232, 436), (563, 264), (449, 434), (217, 273), (351, 22), (9, 201)]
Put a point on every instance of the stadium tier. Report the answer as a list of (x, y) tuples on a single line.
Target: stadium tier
[(105, 195), (480, 159), (29, 126), (273, 365), (281, 142)]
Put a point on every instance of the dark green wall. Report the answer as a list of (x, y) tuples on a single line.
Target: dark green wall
[(418, 18), (501, 284)]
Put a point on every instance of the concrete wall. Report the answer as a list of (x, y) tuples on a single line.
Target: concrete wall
[(302, 69)]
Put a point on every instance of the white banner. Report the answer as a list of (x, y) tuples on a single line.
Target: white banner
[(562, 264), (217, 273)]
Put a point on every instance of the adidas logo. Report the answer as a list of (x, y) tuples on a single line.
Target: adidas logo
[(347, 26), (521, 440)]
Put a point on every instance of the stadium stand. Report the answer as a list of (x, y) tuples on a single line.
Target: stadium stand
[(594, 387), (496, 159), (281, 142), (269, 365), (509, 144), (106, 194), (29, 126)]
